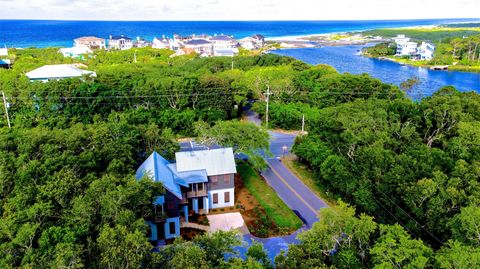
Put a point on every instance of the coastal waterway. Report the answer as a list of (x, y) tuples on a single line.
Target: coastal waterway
[(345, 59)]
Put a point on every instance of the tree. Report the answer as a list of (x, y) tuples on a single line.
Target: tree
[(257, 252), (395, 249), (244, 137), (456, 255), (465, 226)]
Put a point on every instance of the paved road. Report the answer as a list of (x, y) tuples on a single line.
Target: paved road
[(293, 192)]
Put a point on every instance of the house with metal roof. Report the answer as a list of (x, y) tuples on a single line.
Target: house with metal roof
[(120, 42), (198, 181), (200, 46), (57, 72), (75, 52)]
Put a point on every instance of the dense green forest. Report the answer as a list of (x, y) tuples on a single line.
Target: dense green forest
[(69, 199)]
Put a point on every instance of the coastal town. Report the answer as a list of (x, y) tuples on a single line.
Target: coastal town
[(204, 45)]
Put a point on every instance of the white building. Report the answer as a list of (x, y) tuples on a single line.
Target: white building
[(141, 43), (120, 42), (162, 43), (57, 72), (426, 50), (253, 42), (75, 52), (200, 46), (90, 42), (404, 46)]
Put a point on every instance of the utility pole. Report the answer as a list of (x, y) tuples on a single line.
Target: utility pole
[(135, 56), (266, 112), (303, 124), (6, 109), (232, 64)]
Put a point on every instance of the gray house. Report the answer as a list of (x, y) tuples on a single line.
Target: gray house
[(198, 181)]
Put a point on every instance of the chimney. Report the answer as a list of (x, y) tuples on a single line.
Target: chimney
[(138, 38), (163, 36), (110, 36)]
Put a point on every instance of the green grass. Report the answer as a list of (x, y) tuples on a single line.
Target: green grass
[(434, 34), (275, 208)]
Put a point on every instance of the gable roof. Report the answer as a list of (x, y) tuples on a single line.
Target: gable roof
[(188, 177), (118, 37), (221, 38), (197, 42), (58, 71), (214, 161), (156, 167), (89, 39)]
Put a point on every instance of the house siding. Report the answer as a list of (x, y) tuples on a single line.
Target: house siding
[(221, 184)]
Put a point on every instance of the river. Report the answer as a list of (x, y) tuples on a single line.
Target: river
[(345, 59)]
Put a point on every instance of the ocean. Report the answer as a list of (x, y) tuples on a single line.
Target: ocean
[(53, 33)]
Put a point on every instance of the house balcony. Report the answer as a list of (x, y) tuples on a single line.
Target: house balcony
[(198, 193)]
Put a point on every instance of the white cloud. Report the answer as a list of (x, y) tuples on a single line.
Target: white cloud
[(236, 10)]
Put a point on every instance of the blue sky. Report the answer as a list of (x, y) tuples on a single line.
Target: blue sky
[(237, 10)]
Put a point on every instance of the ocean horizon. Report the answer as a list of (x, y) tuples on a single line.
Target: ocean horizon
[(60, 33)]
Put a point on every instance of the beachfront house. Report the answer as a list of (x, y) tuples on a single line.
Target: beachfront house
[(57, 72), (197, 182), (200, 46), (75, 52), (253, 42), (91, 42), (4, 61), (162, 43), (425, 51), (224, 45), (141, 43), (120, 42), (405, 47)]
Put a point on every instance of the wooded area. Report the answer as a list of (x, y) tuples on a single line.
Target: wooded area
[(69, 199)]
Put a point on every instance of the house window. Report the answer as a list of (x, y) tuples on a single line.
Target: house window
[(215, 198), (226, 179), (200, 187), (214, 180), (227, 197), (172, 227)]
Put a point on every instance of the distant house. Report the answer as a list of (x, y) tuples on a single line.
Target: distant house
[(223, 42), (4, 62), (57, 72), (90, 42), (162, 43), (197, 182), (75, 52), (141, 43), (253, 42), (404, 46), (426, 50), (120, 42), (200, 46), (183, 51)]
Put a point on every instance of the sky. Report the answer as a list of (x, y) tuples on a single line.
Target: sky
[(159, 10)]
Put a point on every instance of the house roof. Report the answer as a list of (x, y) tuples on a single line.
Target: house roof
[(118, 37), (89, 39), (258, 36), (222, 38), (75, 50), (214, 161), (5, 62), (3, 52), (156, 167), (197, 42), (188, 177), (58, 71)]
